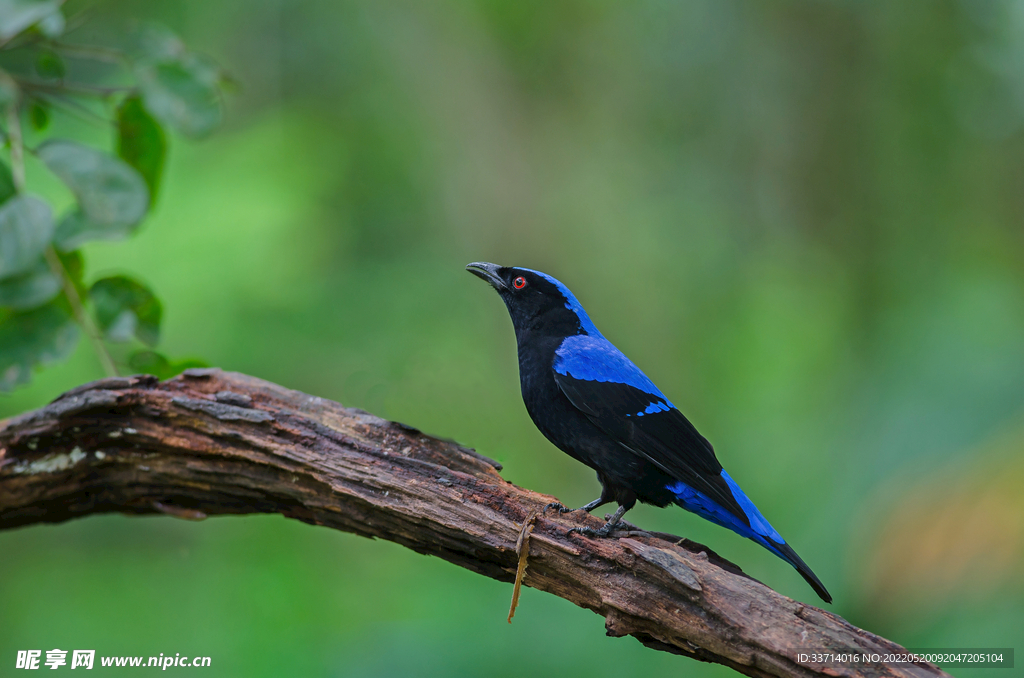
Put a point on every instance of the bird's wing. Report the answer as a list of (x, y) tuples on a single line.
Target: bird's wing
[(600, 381)]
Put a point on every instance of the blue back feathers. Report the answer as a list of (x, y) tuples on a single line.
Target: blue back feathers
[(591, 357)]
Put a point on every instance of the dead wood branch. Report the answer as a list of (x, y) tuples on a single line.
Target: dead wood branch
[(210, 443)]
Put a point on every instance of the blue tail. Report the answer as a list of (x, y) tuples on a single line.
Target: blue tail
[(755, 527)]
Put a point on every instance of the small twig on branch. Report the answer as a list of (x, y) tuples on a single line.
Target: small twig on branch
[(210, 443), (523, 551), (81, 316)]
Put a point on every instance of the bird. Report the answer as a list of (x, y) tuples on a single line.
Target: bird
[(593, 403)]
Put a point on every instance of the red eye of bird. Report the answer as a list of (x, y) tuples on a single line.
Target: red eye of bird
[(519, 283)]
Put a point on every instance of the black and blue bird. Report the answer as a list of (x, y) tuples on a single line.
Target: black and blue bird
[(594, 404)]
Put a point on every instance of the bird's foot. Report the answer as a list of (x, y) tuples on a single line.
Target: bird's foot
[(561, 508), (587, 508), (612, 523), (627, 526), (601, 532)]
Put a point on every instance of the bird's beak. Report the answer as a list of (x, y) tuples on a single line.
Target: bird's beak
[(488, 272)]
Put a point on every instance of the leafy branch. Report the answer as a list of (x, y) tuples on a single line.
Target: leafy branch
[(151, 82)]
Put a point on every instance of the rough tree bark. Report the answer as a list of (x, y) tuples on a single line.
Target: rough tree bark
[(211, 442)]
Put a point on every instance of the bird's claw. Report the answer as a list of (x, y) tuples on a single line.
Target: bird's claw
[(624, 525), (601, 532), (559, 506)]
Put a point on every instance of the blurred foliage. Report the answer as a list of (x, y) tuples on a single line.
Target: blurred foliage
[(802, 220), (40, 298)]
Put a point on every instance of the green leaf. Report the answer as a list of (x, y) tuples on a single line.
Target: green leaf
[(52, 25), (111, 194), (50, 65), (141, 142), (151, 362), (39, 115), (7, 189), (184, 93), (126, 308), (75, 229), (28, 290), (17, 15), (38, 337), (180, 88), (155, 42), (26, 226)]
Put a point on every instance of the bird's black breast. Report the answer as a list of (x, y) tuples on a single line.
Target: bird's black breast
[(551, 411), (574, 433)]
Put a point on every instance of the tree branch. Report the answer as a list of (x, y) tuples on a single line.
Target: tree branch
[(211, 442)]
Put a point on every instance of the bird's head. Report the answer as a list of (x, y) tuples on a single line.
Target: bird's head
[(535, 300)]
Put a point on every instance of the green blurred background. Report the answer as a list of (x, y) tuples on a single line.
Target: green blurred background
[(804, 220)]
